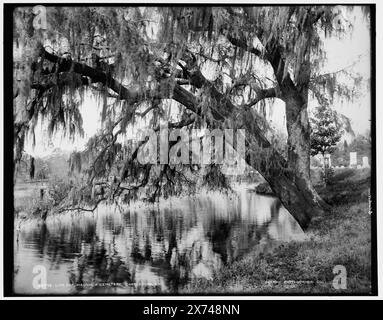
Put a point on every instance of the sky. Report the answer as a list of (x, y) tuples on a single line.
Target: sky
[(343, 53), (353, 49)]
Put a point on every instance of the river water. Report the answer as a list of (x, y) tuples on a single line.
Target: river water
[(147, 248)]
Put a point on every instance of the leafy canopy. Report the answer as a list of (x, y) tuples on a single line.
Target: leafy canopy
[(137, 61)]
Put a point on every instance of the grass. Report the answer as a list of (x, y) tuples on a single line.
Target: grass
[(339, 237), (27, 203)]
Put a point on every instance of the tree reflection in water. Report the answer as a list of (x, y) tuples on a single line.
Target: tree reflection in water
[(156, 249)]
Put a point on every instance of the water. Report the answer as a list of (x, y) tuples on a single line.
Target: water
[(147, 249)]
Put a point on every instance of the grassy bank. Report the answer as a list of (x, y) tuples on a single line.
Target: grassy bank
[(340, 237), (35, 199)]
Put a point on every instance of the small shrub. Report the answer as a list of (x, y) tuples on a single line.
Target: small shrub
[(58, 189), (327, 175)]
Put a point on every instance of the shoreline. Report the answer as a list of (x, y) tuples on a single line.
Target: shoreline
[(340, 237)]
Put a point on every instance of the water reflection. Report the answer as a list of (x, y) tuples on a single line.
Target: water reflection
[(148, 249)]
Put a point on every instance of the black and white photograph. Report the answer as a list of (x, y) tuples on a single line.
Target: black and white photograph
[(190, 149)]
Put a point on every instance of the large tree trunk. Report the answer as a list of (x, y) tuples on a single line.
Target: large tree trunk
[(298, 141), (291, 184), (295, 192)]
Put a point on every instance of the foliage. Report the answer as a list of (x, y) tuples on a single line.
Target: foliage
[(55, 196), (198, 67), (327, 174), (43, 172), (53, 165), (58, 189), (215, 179), (29, 168), (326, 132), (341, 155), (362, 145)]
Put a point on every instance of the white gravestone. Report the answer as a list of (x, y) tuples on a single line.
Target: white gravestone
[(353, 159), (327, 160), (365, 163)]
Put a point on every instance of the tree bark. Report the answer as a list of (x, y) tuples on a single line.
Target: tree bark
[(298, 141), (295, 192)]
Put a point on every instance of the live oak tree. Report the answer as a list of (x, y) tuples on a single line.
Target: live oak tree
[(218, 67)]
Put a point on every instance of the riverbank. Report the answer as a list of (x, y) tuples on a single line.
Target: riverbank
[(340, 237)]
